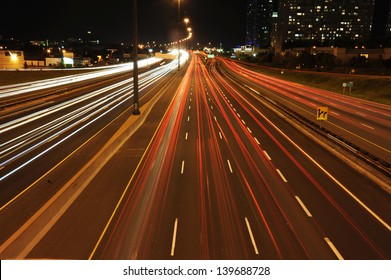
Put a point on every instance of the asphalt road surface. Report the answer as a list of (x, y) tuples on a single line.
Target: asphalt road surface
[(209, 170)]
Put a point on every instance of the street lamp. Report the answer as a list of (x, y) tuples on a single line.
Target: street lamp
[(179, 42), (136, 110)]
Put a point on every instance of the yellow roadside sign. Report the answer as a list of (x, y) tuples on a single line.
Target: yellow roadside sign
[(322, 113)]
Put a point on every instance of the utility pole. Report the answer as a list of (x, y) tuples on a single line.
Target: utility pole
[(179, 41), (136, 110)]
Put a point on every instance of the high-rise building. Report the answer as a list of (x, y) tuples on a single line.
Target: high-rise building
[(326, 22), (388, 26), (252, 24), (259, 22)]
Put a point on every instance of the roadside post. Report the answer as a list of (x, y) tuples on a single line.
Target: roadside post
[(321, 114), (136, 109), (350, 85), (347, 85)]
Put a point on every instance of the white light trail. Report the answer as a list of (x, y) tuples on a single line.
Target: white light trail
[(109, 98)]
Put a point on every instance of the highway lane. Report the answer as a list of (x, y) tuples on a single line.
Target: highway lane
[(191, 197), (363, 191), (23, 135), (207, 190), (228, 173), (34, 145), (13, 92), (77, 231), (366, 124), (216, 174)]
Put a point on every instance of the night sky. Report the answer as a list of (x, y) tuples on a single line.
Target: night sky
[(215, 21)]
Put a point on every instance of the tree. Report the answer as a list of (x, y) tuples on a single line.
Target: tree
[(387, 63), (325, 61), (306, 60), (359, 62)]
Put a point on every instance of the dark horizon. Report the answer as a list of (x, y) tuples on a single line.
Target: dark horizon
[(215, 21)]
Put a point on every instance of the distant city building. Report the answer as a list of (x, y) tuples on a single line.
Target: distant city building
[(293, 23), (388, 28), (324, 22), (11, 59), (252, 17), (259, 22), (248, 50)]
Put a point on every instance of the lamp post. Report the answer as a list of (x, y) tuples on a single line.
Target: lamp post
[(179, 41), (186, 21), (189, 36), (136, 110)]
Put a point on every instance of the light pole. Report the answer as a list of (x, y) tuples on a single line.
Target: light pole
[(186, 21), (136, 110), (189, 36), (179, 41)]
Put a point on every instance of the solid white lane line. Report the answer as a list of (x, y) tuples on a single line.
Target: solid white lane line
[(229, 165), (183, 167), (336, 252), (174, 237), (282, 176), (250, 232), (303, 206)]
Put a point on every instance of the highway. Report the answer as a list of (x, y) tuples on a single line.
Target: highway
[(39, 138), (366, 124), (208, 171)]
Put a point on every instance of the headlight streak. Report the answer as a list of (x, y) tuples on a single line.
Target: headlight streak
[(34, 116), (144, 78), (12, 90), (29, 118), (89, 110), (68, 118)]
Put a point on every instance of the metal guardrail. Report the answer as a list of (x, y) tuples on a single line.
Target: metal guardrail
[(369, 158), (365, 156)]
